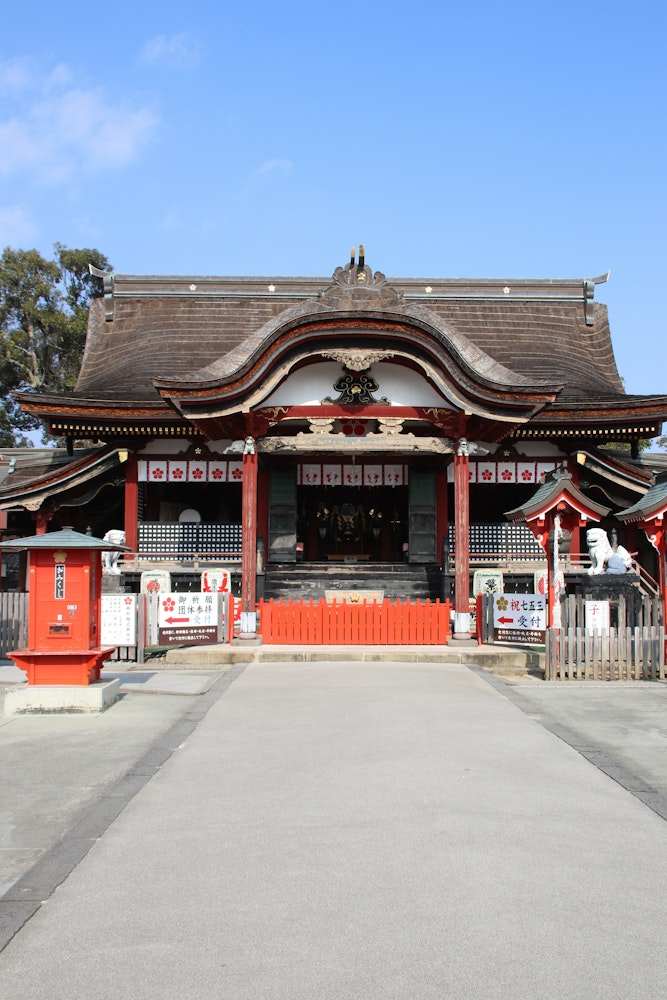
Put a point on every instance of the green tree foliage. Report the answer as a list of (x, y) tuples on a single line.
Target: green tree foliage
[(43, 318)]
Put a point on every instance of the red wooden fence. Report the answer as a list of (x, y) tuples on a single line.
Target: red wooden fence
[(345, 623)]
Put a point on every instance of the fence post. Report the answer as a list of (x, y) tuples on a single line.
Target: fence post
[(550, 659)]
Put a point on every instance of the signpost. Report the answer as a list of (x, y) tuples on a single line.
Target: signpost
[(520, 618), (119, 619), (188, 619), (597, 617)]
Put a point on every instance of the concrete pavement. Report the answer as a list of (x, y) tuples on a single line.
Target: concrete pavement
[(55, 768), (389, 830)]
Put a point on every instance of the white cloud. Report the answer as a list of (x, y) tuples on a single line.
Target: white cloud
[(55, 131), (178, 52), (15, 74), (282, 167), (16, 227)]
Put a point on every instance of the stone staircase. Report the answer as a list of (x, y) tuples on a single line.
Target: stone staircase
[(306, 581)]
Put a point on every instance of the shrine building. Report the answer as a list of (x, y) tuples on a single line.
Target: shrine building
[(307, 431)]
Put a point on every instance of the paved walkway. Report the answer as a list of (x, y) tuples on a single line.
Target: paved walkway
[(335, 830)]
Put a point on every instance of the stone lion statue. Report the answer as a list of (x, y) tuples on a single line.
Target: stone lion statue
[(110, 559), (604, 559)]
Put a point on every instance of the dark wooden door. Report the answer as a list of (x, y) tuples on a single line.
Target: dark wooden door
[(422, 494), (282, 514)]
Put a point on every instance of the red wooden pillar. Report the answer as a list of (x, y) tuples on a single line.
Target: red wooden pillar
[(249, 553), (462, 541), (131, 522), (656, 532), (662, 572)]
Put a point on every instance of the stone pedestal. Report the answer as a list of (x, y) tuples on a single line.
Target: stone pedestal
[(49, 699), (608, 586)]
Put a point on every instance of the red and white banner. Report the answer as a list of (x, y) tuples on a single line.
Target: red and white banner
[(505, 472), (311, 474), (177, 472), (487, 472), (217, 471), (161, 470), (332, 475), (526, 472), (372, 475), (197, 471), (395, 475)]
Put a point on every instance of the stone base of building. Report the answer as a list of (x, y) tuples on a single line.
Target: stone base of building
[(45, 699)]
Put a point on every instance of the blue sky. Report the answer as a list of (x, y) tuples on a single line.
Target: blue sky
[(500, 140)]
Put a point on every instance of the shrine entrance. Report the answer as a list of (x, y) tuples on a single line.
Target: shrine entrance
[(368, 513), (353, 522)]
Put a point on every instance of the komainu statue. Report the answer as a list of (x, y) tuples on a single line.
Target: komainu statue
[(110, 559), (605, 559)]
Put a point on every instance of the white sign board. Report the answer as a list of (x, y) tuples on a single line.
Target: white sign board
[(520, 618), (119, 620), (597, 616), (215, 581), (187, 618), (155, 581), (487, 581)]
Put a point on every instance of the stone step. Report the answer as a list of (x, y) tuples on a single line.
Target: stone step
[(313, 580)]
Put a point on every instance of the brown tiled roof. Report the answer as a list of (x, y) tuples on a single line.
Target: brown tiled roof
[(157, 337), (162, 328), (546, 340), (38, 474)]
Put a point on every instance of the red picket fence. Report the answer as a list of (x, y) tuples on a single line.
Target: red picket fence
[(346, 623)]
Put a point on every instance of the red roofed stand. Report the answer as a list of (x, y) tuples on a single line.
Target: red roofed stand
[(65, 582)]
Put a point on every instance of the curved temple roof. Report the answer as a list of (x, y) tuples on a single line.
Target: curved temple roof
[(171, 328), (533, 351)]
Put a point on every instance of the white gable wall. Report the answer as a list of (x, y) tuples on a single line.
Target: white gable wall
[(310, 385)]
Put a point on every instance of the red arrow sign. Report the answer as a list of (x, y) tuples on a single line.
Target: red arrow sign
[(172, 621), (503, 621)]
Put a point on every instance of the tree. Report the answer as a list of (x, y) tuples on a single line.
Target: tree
[(43, 318)]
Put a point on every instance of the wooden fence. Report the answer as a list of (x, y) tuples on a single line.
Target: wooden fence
[(629, 654), (346, 623), (13, 622), (636, 610), (633, 648)]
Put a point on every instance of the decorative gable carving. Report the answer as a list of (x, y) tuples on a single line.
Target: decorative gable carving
[(357, 360), (355, 286)]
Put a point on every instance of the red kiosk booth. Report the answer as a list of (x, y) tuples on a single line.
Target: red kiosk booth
[(65, 586)]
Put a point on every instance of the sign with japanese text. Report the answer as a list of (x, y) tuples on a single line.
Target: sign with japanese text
[(155, 581), (597, 616), (215, 581), (119, 620), (187, 619), (520, 618)]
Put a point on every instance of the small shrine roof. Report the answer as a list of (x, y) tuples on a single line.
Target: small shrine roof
[(558, 486), (32, 476), (652, 504), (66, 538)]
